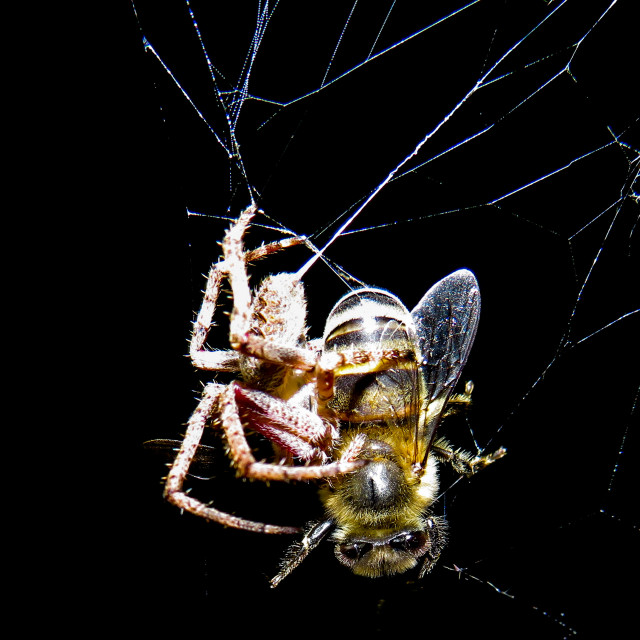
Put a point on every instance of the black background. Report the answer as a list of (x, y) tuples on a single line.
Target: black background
[(550, 525)]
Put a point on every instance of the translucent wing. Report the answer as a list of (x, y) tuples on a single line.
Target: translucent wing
[(446, 320), (203, 464)]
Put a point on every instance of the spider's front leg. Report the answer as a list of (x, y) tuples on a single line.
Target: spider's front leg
[(271, 328), (298, 431), (226, 360)]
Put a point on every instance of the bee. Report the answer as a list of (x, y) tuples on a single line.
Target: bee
[(357, 411), (392, 376)]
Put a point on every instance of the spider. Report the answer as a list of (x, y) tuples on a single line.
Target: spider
[(274, 394), (359, 409)]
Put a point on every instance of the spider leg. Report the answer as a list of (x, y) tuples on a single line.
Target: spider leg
[(242, 339), (328, 365), (175, 480), (297, 427), (226, 360), (201, 357), (272, 247)]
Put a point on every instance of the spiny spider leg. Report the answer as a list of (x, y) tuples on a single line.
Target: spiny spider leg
[(224, 360), (309, 428), (218, 398), (267, 337), (175, 480), (241, 338)]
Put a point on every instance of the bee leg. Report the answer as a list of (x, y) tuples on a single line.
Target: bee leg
[(298, 551), (175, 479), (480, 462), (460, 401), (463, 462), (437, 530)]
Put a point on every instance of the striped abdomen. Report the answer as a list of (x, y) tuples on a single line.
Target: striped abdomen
[(378, 380)]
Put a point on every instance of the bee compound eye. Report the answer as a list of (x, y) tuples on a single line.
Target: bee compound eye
[(410, 541), (354, 550)]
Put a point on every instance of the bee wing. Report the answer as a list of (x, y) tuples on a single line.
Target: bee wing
[(203, 462), (446, 320)]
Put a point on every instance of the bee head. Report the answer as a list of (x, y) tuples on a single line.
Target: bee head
[(393, 553)]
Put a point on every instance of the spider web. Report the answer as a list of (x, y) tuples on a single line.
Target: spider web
[(497, 136)]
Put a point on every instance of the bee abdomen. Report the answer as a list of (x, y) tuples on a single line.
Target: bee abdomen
[(374, 332)]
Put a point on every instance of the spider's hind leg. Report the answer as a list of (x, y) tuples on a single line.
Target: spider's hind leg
[(174, 492)]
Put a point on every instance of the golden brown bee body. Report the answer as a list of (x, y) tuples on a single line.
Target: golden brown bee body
[(393, 373), (381, 509)]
